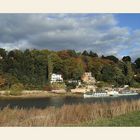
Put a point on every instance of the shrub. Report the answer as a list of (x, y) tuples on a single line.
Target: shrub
[(48, 87), (102, 84), (136, 85), (16, 89), (71, 86), (56, 86)]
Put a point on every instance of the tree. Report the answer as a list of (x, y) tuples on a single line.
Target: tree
[(130, 73), (10, 80), (73, 68), (40, 71), (137, 77), (107, 73), (2, 81), (50, 68), (85, 53), (63, 54), (137, 62), (112, 58), (119, 77), (2, 52), (92, 54), (28, 67), (57, 63), (126, 59), (2, 59), (78, 70), (72, 53)]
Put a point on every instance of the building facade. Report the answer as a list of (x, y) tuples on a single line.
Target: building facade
[(87, 78), (56, 78)]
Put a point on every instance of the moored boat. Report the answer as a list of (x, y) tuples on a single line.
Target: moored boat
[(96, 95), (109, 93), (128, 93), (113, 93)]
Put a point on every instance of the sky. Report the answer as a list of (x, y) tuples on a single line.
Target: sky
[(105, 34)]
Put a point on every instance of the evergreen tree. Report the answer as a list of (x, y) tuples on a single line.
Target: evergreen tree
[(112, 58), (130, 73), (50, 68), (137, 62), (85, 53), (126, 59), (92, 54)]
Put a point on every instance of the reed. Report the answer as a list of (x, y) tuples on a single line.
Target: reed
[(67, 115)]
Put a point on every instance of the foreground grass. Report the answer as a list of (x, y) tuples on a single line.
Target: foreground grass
[(96, 114), (129, 119)]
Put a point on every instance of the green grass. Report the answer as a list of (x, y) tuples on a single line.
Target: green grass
[(130, 119)]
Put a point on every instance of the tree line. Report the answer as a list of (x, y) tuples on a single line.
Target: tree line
[(32, 68)]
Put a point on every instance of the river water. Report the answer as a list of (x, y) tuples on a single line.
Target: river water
[(58, 101)]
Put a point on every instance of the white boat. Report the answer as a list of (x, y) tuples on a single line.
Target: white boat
[(109, 93), (96, 95), (113, 93), (128, 93)]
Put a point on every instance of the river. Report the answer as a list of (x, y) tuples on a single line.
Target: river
[(58, 101)]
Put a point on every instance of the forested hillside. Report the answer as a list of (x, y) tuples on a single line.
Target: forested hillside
[(31, 67)]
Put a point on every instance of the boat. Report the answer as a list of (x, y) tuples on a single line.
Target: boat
[(96, 95), (112, 93), (128, 93)]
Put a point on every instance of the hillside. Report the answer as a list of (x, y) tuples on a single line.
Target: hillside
[(31, 68)]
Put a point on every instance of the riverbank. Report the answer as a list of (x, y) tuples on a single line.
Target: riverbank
[(67, 115), (39, 94)]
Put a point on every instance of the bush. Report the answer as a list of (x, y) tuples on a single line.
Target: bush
[(135, 85), (48, 87), (71, 86), (102, 84), (16, 89), (56, 86)]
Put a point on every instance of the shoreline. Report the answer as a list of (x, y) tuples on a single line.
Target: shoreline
[(40, 95), (29, 94)]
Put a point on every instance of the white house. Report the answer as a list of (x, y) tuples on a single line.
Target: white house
[(56, 78)]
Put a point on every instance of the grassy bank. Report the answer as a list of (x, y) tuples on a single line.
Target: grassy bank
[(67, 115), (129, 119)]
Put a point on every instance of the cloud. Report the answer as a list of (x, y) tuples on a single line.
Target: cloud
[(98, 32)]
